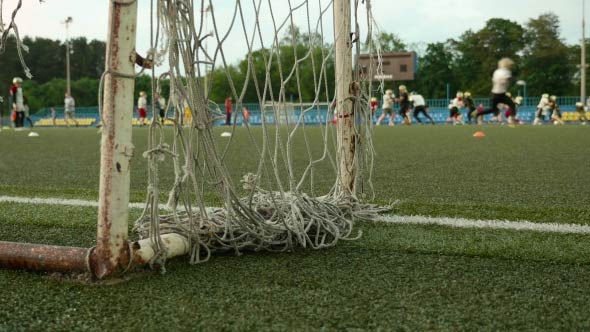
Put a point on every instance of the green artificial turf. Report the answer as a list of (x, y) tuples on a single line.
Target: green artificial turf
[(395, 277), (532, 173)]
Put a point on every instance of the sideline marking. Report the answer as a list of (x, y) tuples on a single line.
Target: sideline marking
[(522, 225), (392, 219)]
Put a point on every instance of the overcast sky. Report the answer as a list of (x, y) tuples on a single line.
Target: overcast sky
[(414, 21)]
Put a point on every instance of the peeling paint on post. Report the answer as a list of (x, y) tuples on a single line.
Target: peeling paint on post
[(112, 249), (40, 257), (345, 153)]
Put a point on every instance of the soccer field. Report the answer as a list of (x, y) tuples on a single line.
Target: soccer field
[(395, 277)]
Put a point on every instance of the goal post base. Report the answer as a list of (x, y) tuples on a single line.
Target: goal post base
[(51, 258), (41, 257)]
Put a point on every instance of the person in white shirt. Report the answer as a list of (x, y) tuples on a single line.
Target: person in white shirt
[(501, 81), (518, 103), (542, 110), (142, 108), (70, 110), (388, 100), (582, 113), (420, 106), (161, 107), (454, 109)]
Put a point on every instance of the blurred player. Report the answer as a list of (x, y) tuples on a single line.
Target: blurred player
[(500, 82), (374, 105), (455, 105), (188, 114), (27, 110), (419, 107), (555, 111), (404, 105), (53, 114), (142, 108), (388, 99), (582, 112), (160, 107), (246, 116), (16, 102), (470, 105), (542, 110), (228, 110), (70, 110), (515, 119)]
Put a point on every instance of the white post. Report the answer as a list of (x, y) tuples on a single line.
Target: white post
[(112, 249), (67, 22), (345, 153)]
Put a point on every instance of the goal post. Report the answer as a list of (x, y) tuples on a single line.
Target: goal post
[(325, 221), (345, 90), (112, 253), (112, 250)]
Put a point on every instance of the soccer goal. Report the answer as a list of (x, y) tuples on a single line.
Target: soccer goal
[(304, 50)]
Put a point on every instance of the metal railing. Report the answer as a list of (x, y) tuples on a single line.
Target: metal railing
[(321, 114)]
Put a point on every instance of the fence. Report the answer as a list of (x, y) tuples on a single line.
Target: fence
[(321, 114)]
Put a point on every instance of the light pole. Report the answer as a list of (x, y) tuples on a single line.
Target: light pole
[(523, 84), (67, 22)]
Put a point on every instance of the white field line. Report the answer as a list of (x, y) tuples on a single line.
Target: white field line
[(522, 225), (58, 201), (393, 219)]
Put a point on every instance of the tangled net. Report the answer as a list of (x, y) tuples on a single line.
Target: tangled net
[(275, 214), (13, 27)]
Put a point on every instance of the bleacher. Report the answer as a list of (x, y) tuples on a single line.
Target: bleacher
[(83, 122), (148, 121), (573, 116)]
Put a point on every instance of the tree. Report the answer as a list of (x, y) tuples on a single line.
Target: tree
[(389, 42), (281, 62), (436, 71), (545, 65), (480, 51)]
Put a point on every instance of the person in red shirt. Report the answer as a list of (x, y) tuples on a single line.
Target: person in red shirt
[(228, 109), (374, 105), (246, 115), (17, 103)]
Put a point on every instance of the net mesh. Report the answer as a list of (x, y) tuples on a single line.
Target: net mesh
[(276, 205), (5, 31), (269, 209)]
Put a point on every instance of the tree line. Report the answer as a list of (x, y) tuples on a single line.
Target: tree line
[(543, 60)]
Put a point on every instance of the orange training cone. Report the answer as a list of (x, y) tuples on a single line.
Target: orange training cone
[(479, 134)]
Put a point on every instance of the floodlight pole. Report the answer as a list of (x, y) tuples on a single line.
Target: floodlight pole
[(112, 252), (346, 90), (67, 22)]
